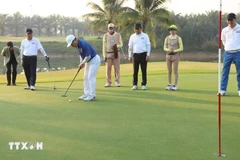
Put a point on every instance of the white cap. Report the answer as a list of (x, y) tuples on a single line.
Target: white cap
[(69, 40)]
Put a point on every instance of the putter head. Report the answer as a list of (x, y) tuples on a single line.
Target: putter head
[(54, 88), (64, 95)]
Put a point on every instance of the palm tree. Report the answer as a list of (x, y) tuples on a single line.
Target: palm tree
[(16, 21), (149, 13), (102, 16), (38, 23), (55, 18)]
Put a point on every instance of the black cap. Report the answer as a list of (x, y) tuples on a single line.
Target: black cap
[(231, 16), (29, 30), (10, 44), (138, 25)]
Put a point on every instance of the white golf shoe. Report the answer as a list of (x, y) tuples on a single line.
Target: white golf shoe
[(107, 85), (174, 88), (82, 97), (239, 93), (118, 84), (223, 93), (27, 87), (135, 87), (144, 87), (169, 87), (89, 98), (32, 88)]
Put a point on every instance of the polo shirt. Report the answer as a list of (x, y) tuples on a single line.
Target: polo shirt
[(231, 38), (139, 43)]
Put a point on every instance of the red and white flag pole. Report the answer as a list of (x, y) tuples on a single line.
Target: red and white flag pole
[(219, 154)]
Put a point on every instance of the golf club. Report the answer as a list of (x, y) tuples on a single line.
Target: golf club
[(49, 67), (64, 95), (124, 55)]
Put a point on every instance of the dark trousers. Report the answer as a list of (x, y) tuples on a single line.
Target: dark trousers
[(30, 66), (139, 59), (12, 65)]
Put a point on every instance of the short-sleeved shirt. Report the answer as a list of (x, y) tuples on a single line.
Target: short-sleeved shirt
[(85, 49)]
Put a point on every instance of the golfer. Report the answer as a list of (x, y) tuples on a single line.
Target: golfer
[(89, 60), (112, 42), (29, 50), (230, 38), (139, 52), (172, 46)]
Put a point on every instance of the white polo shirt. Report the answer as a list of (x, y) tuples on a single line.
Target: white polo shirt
[(139, 43), (231, 38), (31, 47)]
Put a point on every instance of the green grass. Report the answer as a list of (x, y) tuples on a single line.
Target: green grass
[(122, 124)]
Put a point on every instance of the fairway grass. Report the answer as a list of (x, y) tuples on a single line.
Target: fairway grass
[(122, 124)]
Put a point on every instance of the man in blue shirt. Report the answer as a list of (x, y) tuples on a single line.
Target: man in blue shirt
[(90, 61)]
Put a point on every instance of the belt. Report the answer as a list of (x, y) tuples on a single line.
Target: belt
[(140, 53), (234, 51), (91, 58), (30, 56)]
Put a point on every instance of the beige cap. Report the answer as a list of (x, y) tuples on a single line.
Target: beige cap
[(111, 25)]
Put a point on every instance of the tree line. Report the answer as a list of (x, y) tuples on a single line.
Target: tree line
[(198, 31)]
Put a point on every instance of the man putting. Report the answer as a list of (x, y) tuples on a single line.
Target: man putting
[(90, 61)]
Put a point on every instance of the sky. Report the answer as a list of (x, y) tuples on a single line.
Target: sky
[(76, 8)]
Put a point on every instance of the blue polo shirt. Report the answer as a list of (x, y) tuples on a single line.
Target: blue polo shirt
[(85, 49)]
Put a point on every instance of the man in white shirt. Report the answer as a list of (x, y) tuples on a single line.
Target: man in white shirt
[(139, 52), (231, 40), (29, 50)]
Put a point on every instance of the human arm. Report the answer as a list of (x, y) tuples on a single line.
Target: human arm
[(41, 49), (3, 53), (165, 46), (180, 46), (130, 49), (223, 38)]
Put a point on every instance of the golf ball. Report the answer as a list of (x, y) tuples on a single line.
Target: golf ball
[(69, 100)]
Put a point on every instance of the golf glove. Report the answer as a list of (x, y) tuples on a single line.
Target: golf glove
[(47, 58)]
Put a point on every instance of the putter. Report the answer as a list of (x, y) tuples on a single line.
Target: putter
[(49, 67), (64, 95)]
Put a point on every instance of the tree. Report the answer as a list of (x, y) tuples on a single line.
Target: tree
[(38, 23), (16, 23), (3, 23), (110, 13), (149, 13), (55, 18)]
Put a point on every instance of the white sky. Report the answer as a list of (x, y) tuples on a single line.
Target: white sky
[(76, 8)]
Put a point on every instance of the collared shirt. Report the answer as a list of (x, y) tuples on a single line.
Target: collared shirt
[(85, 49), (139, 43), (31, 47), (231, 38)]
